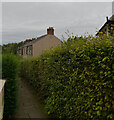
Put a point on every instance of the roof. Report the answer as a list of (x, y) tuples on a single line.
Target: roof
[(34, 41), (110, 21), (112, 18)]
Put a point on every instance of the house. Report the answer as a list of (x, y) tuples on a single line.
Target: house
[(108, 27), (36, 46)]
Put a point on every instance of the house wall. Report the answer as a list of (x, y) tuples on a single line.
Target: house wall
[(38, 47), (25, 54), (108, 29), (45, 43)]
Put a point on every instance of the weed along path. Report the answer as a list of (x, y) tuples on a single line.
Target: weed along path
[(29, 103)]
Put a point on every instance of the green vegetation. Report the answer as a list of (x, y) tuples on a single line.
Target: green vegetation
[(0, 66), (75, 79), (11, 48), (10, 68)]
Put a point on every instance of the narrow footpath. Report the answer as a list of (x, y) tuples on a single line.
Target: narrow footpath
[(29, 103)]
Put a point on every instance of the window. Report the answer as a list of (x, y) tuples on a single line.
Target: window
[(19, 52), (27, 50), (30, 50)]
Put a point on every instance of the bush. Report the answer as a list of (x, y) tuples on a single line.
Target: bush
[(10, 65), (0, 66), (75, 80)]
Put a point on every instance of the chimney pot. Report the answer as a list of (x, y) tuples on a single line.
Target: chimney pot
[(107, 18), (50, 31), (27, 41), (33, 39)]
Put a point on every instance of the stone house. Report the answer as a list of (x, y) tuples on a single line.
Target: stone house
[(36, 46), (108, 27)]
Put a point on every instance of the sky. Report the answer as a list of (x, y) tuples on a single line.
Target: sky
[(26, 20)]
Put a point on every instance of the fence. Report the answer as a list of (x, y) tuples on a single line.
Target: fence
[(2, 82)]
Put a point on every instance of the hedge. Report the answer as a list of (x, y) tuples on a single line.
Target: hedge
[(0, 66), (75, 79), (10, 69)]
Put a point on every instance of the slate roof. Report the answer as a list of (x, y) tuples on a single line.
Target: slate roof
[(110, 21), (32, 42), (112, 18)]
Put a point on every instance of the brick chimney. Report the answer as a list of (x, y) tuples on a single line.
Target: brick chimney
[(33, 39), (50, 31), (27, 41), (107, 18)]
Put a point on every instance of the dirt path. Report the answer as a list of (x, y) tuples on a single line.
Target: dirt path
[(29, 103)]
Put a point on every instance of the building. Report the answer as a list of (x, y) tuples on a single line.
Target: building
[(108, 27), (36, 46)]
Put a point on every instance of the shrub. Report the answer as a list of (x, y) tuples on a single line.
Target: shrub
[(10, 65), (0, 66), (75, 79)]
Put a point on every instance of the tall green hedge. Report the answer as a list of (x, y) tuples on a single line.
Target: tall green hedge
[(75, 79), (10, 69), (0, 66)]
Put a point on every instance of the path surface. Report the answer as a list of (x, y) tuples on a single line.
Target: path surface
[(29, 103)]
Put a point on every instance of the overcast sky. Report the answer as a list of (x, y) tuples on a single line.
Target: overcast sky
[(23, 20)]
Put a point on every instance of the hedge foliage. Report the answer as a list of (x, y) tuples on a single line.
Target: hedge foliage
[(75, 79), (0, 66), (10, 70)]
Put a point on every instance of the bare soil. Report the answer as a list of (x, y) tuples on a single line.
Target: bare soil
[(30, 105)]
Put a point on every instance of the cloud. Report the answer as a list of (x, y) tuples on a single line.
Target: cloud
[(56, 0), (23, 20)]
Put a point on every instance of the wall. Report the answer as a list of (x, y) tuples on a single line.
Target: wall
[(45, 43), (24, 52), (2, 82)]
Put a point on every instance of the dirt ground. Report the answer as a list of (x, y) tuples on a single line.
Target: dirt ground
[(29, 103)]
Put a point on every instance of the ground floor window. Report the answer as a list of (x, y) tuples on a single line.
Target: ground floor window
[(30, 50), (27, 50)]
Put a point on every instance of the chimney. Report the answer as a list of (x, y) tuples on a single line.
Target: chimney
[(27, 41), (33, 39), (50, 31), (107, 18)]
